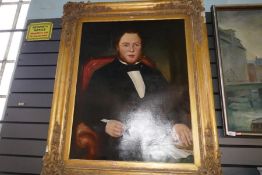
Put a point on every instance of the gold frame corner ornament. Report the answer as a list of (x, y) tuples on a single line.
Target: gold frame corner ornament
[(206, 150)]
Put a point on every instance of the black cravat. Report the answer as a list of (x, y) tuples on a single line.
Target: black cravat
[(133, 67)]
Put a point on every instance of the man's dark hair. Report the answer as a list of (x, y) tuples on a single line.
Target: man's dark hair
[(121, 32)]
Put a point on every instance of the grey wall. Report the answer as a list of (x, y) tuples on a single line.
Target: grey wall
[(25, 124)]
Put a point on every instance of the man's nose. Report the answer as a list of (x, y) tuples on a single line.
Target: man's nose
[(131, 48)]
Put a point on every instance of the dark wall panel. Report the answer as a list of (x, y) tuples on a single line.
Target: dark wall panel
[(20, 164), (39, 46), (210, 30), (208, 17), (37, 59), (241, 156), (36, 72), (33, 86), (241, 142), (217, 101), (214, 70), (212, 55), (219, 119), (215, 86), (211, 42), (22, 147), (29, 100), (239, 171), (24, 131), (56, 34), (37, 115)]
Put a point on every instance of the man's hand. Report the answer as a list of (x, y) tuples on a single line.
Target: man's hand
[(114, 128), (184, 134)]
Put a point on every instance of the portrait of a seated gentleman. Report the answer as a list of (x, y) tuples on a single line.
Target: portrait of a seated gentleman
[(129, 112)]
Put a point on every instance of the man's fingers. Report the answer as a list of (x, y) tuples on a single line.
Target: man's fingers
[(189, 137), (114, 128), (118, 130), (118, 126), (183, 139), (117, 133), (114, 133), (184, 134)]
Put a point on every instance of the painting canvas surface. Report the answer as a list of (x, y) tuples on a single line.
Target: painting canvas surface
[(240, 38), (148, 137)]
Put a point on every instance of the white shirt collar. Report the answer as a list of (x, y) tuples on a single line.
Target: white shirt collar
[(126, 63)]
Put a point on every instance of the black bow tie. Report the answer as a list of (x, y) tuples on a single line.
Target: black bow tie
[(133, 67)]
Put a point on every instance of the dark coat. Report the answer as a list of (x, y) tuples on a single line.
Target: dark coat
[(112, 95)]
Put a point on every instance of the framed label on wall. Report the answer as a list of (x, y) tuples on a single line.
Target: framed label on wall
[(39, 31)]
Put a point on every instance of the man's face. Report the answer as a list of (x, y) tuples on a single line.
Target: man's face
[(129, 48)]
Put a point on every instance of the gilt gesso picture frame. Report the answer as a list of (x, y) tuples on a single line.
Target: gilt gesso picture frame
[(238, 28), (133, 92)]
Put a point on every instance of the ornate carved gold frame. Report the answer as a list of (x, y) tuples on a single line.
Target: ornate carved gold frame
[(206, 150)]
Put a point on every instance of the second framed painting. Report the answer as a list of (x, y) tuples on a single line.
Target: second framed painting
[(133, 91), (238, 31)]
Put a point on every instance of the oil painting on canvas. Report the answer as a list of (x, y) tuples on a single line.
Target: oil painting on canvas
[(240, 63)]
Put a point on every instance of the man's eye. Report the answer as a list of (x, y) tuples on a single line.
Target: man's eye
[(125, 45), (138, 45)]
